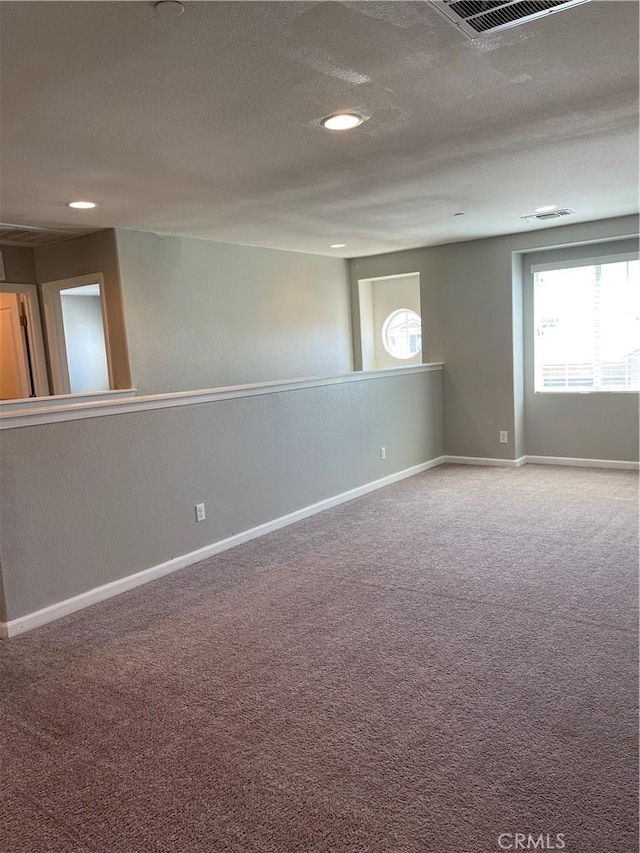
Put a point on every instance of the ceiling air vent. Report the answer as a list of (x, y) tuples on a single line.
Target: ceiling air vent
[(478, 17), (28, 236), (542, 217)]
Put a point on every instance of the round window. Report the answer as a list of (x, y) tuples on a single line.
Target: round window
[(402, 333)]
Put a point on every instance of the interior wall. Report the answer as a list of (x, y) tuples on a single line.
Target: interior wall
[(367, 349), (592, 425), (205, 315), (467, 302), (89, 254), (19, 264), (86, 502)]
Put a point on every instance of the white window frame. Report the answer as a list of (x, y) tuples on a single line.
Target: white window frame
[(385, 329), (596, 260)]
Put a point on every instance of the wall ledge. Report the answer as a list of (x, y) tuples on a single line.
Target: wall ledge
[(13, 418), (56, 401)]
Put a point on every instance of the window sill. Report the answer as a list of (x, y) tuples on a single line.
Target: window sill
[(587, 391)]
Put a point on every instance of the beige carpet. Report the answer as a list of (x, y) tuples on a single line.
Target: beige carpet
[(432, 668)]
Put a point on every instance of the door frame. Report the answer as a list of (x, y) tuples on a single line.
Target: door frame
[(28, 297), (52, 306)]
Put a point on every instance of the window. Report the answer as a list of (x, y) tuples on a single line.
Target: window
[(402, 333), (587, 326)]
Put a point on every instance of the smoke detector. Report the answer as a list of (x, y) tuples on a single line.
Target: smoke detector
[(478, 17)]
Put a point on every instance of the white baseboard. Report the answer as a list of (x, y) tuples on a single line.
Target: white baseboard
[(570, 461), (582, 463), (22, 624), (78, 602), (484, 460)]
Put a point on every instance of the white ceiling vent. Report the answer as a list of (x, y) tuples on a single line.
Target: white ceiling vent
[(542, 217), (479, 17), (25, 235)]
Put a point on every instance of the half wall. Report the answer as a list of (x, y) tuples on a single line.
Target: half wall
[(97, 493)]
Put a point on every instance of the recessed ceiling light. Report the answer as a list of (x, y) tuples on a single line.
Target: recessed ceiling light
[(546, 208), (342, 121), (168, 8), (337, 245), (82, 205)]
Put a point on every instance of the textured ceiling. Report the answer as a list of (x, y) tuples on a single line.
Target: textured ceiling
[(208, 124)]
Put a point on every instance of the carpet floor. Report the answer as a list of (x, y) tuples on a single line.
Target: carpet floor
[(432, 668)]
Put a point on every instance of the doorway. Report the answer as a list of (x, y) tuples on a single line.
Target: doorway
[(77, 335), (16, 381), (23, 372)]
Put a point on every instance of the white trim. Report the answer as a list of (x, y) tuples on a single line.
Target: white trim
[(388, 277), (85, 599), (571, 461), (572, 392), (57, 400), (78, 602), (598, 260), (484, 460), (582, 463), (76, 411)]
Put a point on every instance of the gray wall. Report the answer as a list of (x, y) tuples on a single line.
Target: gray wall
[(205, 315), (468, 297), (575, 424), (89, 501), (19, 266)]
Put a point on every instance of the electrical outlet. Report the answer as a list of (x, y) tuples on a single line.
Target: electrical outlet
[(200, 513), (383, 453), (504, 436)]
